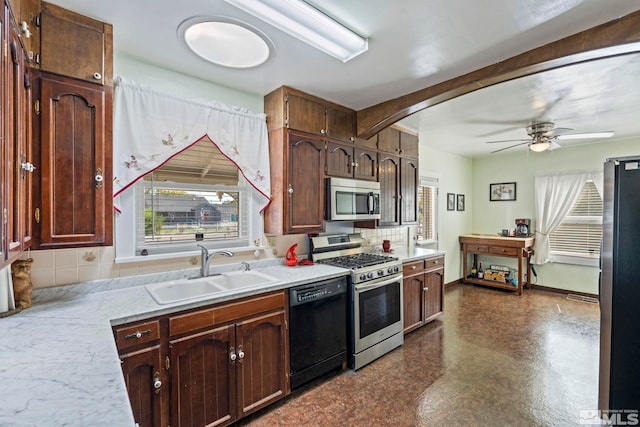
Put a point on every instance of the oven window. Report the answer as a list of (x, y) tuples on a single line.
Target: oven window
[(379, 308), (344, 203)]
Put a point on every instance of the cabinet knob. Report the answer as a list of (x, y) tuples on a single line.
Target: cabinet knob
[(323, 131), (99, 178), (156, 381), (97, 76), (240, 353), (232, 354), (413, 267), (290, 190), (425, 289), (137, 334), (27, 166)]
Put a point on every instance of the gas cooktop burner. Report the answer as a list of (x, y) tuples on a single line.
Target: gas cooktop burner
[(357, 260)]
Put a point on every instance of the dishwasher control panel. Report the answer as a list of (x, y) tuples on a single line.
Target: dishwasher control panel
[(317, 291)]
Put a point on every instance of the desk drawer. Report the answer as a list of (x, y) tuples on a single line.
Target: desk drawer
[(477, 248), (498, 250)]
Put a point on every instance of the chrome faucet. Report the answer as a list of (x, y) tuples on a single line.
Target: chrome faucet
[(206, 257)]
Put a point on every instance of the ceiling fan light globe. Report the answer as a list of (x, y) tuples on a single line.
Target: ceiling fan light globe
[(539, 147)]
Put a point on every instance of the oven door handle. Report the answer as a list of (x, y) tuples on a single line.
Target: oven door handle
[(369, 286)]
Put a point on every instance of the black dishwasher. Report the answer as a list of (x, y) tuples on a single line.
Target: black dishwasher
[(317, 329)]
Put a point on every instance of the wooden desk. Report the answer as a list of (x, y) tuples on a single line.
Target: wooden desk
[(520, 248)]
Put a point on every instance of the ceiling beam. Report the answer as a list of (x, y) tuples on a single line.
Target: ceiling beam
[(617, 37)]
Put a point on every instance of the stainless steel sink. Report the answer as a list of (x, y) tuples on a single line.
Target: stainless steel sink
[(185, 289), (243, 279), (180, 290)]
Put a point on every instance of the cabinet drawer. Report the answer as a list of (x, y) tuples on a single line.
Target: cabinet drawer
[(434, 262), (224, 313), (498, 250), (478, 248), (411, 268), (130, 335)]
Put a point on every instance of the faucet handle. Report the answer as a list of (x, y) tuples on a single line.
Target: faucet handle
[(204, 250), (247, 266)]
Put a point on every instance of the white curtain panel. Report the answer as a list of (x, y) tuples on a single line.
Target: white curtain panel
[(151, 127), (554, 195)]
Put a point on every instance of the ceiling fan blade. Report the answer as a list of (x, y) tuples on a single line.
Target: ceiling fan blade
[(589, 135), (511, 146), (557, 132), (508, 140), (554, 145)]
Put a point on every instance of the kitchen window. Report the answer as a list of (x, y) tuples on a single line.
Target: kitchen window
[(427, 230), (196, 197), (577, 239)]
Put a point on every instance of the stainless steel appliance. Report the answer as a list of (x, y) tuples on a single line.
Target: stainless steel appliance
[(317, 329), (619, 394), (352, 199), (375, 295)]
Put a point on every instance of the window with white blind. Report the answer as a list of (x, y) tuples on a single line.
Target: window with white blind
[(197, 197), (577, 239), (427, 230)]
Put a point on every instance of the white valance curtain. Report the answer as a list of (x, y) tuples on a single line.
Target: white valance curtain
[(151, 127), (554, 197)]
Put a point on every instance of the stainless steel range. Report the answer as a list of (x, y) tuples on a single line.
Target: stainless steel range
[(375, 295)]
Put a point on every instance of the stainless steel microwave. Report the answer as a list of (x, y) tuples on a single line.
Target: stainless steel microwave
[(352, 199)]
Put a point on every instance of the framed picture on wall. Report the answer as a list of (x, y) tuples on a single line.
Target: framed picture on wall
[(502, 192), (460, 202), (451, 202)]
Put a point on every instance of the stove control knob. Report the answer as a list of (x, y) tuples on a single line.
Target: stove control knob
[(396, 269), (380, 273), (363, 277), (370, 275), (390, 270)]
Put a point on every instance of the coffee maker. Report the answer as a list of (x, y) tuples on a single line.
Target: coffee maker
[(523, 227)]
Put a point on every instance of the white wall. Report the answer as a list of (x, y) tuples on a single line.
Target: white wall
[(521, 167), (455, 175)]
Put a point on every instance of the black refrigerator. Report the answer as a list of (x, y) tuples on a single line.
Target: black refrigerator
[(619, 388)]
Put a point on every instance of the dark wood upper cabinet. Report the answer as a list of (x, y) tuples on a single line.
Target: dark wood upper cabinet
[(74, 126), (409, 179), (347, 161), (389, 178), (76, 46), (389, 141), (408, 145)]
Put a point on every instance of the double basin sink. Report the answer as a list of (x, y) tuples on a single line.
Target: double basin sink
[(184, 289)]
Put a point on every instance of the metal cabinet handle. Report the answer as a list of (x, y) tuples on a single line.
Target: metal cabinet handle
[(99, 178), (156, 381), (137, 334), (27, 166)]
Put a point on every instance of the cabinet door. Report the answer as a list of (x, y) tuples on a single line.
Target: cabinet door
[(389, 177), (409, 190), (434, 293), (305, 190), (413, 302), (340, 124), (389, 140), (75, 158), (366, 165), (203, 378), (305, 114), (141, 370), (340, 160), (262, 361), (408, 145), (74, 45)]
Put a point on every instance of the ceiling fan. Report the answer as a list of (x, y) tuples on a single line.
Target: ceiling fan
[(543, 136)]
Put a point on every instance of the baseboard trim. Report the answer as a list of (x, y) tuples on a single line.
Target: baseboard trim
[(455, 282), (563, 291)]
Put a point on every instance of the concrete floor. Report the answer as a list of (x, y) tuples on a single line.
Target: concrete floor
[(493, 359)]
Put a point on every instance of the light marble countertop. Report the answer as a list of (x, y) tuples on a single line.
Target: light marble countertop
[(58, 360)]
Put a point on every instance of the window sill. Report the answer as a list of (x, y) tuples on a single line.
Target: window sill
[(186, 254), (566, 259)]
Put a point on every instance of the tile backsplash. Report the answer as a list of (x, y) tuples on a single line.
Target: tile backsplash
[(399, 236)]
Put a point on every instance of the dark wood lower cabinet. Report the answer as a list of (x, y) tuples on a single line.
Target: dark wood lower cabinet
[(142, 369), (214, 365), (423, 292)]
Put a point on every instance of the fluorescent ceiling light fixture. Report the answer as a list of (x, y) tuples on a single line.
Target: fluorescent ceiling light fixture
[(539, 147), (591, 135), (224, 41), (306, 23)]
